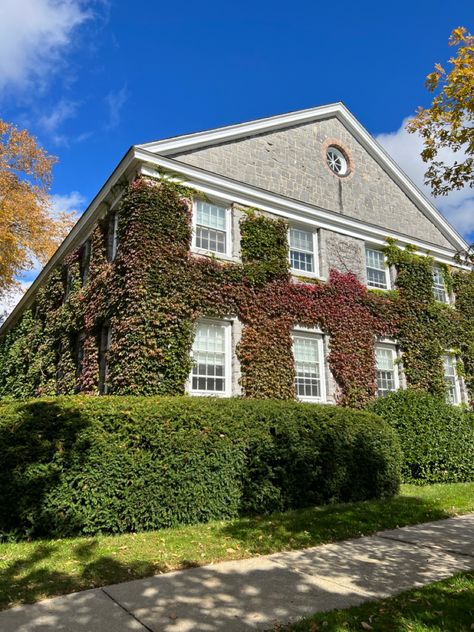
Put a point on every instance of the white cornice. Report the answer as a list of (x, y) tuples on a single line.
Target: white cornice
[(77, 235), (247, 195), (233, 132)]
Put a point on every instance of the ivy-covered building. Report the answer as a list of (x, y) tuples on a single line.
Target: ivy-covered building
[(284, 257)]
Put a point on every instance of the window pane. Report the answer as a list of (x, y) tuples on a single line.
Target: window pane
[(208, 372), (212, 240), (376, 272), (376, 278), (301, 239), (375, 259), (439, 289), (301, 261), (307, 367), (210, 215), (450, 378), (385, 371), (211, 227), (301, 249), (384, 358)]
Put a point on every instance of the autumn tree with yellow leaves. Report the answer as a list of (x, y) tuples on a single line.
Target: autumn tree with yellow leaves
[(29, 229), (449, 122)]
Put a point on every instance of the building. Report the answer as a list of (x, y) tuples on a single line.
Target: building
[(321, 183)]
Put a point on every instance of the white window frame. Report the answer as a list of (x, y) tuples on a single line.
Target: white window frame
[(227, 392), (228, 230), (104, 353), (314, 334), (314, 232), (387, 269), (113, 238), (457, 381), (438, 286), (391, 346)]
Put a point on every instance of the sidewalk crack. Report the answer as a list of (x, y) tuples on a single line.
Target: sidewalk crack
[(425, 545), (129, 612)]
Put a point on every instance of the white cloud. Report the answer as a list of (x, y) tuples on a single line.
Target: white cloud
[(115, 102), (33, 37), (405, 149), (51, 122), (72, 202), (9, 300), (62, 111)]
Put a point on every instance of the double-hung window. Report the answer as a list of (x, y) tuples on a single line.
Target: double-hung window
[(211, 356), (439, 287), (308, 356), (104, 351), (84, 261), (112, 236), (453, 390), (303, 259), (387, 371), (212, 231), (376, 269)]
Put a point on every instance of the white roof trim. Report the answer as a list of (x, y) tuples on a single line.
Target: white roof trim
[(253, 196), (232, 132), (338, 110), (247, 195), (75, 238)]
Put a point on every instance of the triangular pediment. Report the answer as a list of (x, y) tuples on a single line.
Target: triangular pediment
[(286, 155)]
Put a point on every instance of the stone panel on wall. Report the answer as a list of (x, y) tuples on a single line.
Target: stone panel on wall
[(342, 253), (291, 162)]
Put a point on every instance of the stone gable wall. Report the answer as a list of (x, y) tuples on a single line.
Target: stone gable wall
[(292, 163)]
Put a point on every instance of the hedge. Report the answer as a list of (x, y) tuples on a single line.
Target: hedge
[(437, 439), (82, 465)]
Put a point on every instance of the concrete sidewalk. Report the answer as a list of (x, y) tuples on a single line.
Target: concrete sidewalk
[(260, 592)]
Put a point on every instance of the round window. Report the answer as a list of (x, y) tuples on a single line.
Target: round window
[(337, 162)]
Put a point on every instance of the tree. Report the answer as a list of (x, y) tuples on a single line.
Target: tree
[(449, 122), (29, 228)]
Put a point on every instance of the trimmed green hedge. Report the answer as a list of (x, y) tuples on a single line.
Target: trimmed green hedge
[(437, 439), (81, 465)]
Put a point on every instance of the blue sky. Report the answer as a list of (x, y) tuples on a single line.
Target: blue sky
[(91, 78)]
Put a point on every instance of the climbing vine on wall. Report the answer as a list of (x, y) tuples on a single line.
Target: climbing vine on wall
[(426, 327), (464, 289), (154, 291)]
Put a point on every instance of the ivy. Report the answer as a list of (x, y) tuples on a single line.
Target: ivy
[(464, 289), (427, 328), (264, 244), (155, 290)]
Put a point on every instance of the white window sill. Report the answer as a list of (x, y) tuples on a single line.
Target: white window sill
[(221, 256), (208, 394), (379, 289), (299, 274)]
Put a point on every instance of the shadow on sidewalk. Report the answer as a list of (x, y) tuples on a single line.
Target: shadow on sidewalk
[(36, 576)]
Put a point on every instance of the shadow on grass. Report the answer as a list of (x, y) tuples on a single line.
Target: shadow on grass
[(320, 525), (447, 605), (237, 597), (23, 582)]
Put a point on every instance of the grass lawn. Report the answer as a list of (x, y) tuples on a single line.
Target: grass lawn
[(30, 571), (446, 606)]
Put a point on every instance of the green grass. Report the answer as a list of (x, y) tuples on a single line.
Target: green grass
[(30, 571), (446, 606)]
